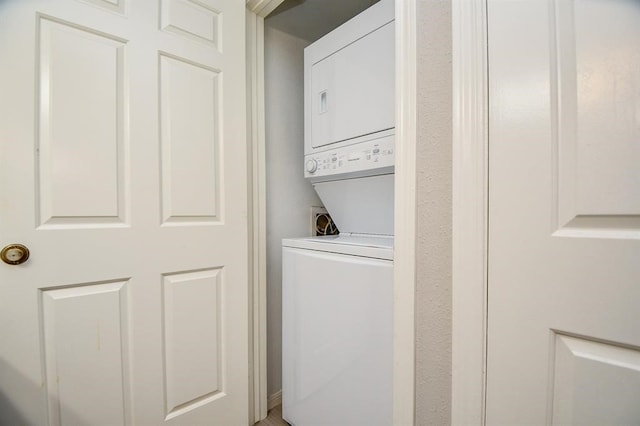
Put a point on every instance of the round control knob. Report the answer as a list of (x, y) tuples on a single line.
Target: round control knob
[(311, 165)]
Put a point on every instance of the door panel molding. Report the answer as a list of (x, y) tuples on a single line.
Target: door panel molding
[(70, 316), (592, 202), (76, 62), (188, 176), (578, 362), (194, 20), (192, 349)]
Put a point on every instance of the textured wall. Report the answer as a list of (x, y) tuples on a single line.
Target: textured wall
[(289, 195), (434, 162)]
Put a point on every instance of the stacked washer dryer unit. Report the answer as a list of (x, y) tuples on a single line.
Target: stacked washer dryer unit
[(338, 290)]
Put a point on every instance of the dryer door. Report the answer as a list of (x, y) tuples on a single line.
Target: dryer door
[(337, 339), (352, 90)]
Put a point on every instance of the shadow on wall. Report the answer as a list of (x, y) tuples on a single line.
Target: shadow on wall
[(34, 393)]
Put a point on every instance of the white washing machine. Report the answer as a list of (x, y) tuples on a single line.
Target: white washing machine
[(337, 330), (337, 291)]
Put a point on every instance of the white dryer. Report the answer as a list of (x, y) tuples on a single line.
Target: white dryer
[(337, 291)]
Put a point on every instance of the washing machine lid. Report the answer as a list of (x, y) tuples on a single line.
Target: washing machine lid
[(378, 247)]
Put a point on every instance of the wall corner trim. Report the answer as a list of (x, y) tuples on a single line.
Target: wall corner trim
[(404, 280), (470, 211)]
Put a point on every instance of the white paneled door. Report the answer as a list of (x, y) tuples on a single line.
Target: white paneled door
[(123, 170), (564, 215)]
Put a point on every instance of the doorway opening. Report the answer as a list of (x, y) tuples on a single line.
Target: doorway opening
[(291, 202)]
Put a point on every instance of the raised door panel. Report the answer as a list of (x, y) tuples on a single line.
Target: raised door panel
[(596, 76), (82, 146), (85, 346), (192, 340), (197, 20), (594, 383), (118, 6), (190, 135)]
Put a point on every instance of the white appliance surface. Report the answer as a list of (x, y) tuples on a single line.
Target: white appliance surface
[(379, 247), (337, 292), (337, 331), (350, 121), (359, 99), (361, 205), (366, 158), (350, 83)]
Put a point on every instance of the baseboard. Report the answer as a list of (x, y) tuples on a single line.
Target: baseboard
[(274, 400)]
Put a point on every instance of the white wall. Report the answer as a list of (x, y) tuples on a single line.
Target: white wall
[(289, 195)]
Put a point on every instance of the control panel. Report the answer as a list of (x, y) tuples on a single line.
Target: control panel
[(359, 159)]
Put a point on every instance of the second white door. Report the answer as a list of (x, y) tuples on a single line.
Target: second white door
[(564, 212)]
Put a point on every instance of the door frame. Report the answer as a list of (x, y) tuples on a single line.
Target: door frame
[(404, 209), (470, 211)]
